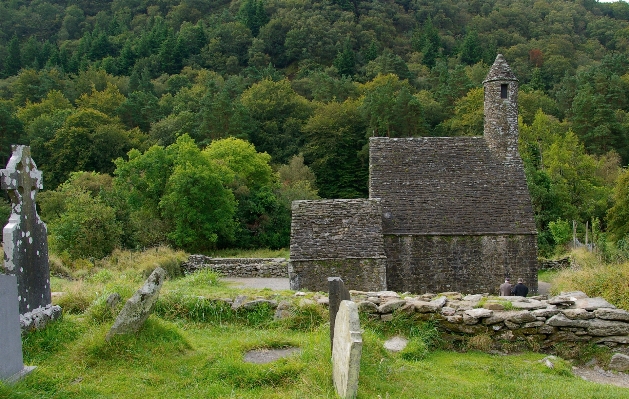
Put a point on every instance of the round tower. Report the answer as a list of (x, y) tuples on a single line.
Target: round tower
[(501, 111)]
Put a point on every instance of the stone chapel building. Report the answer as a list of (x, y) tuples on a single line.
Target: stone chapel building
[(443, 214)]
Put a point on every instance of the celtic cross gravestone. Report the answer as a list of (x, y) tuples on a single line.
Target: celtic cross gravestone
[(25, 237)]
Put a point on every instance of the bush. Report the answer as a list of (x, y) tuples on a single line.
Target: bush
[(561, 231), (88, 228)]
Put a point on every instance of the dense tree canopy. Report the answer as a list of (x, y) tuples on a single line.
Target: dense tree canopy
[(280, 82)]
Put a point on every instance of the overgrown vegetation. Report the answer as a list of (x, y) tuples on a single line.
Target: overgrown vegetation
[(596, 278)]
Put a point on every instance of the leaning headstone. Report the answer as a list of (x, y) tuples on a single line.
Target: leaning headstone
[(139, 307), (25, 240), (346, 350), (11, 362), (337, 293)]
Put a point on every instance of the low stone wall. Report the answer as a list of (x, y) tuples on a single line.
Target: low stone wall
[(238, 267), (535, 323), (555, 264), (571, 318)]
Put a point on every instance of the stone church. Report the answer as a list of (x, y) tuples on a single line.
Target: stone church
[(443, 213)]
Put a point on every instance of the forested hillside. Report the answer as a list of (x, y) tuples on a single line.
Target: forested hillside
[(199, 121)]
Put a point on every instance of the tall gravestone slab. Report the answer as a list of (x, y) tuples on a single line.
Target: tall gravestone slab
[(346, 350), (336, 293), (24, 239), (11, 361)]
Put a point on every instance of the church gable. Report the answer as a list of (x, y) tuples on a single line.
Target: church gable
[(447, 185)]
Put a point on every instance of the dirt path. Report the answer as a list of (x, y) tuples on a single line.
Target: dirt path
[(258, 282), (543, 288)]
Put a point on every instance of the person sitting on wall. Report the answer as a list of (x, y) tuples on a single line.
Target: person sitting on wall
[(505, 288), (520, 289)]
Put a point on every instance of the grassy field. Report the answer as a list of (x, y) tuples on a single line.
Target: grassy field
[(192, 347)]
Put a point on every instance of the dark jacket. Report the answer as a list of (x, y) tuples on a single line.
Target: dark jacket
[(520, 290)]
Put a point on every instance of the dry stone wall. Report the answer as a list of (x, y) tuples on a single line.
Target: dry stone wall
[(238, 267), (571, 318)]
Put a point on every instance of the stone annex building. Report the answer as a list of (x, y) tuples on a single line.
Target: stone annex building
[(443, 213)]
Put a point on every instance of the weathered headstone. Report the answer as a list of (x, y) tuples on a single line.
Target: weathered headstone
[(336, 293), (11, 361), (24, 237), (346, 350), (139, 307)]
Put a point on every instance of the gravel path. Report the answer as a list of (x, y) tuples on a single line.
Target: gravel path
[(258, 282)]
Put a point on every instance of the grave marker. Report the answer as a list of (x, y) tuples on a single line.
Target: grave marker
[(11, 361), (346, 350), (25, 241), (336, 293), (139, 307)]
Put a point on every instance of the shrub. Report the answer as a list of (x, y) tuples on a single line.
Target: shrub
[(87, 229)]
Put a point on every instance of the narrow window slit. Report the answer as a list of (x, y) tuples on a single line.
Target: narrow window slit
[(504, 91)]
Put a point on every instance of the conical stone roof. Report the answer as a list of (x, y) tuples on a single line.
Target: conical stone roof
[(500, 71)]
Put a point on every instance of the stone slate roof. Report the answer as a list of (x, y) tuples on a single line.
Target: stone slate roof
[(336, 229), (447, 186)]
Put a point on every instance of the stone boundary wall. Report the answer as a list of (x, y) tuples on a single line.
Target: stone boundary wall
[(536, 323), (238, 267), (556, 264), (541, 322)]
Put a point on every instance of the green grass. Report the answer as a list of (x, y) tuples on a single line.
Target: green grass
[(547, 276), (193, 347), (204, 360)]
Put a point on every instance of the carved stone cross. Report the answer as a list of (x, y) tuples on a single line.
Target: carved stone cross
[(24, 238)]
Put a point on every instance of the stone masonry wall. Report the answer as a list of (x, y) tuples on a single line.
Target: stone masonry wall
[(337, 238), (511, 322), (538, 322), (312, 275), (336, 229), (238, 267), (447, 185), (501, 114), (468, 264)]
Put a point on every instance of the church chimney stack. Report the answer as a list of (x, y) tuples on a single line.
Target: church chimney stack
[(501, 111)]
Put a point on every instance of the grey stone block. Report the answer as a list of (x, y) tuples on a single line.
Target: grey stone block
[(11, 361), (347, 350)]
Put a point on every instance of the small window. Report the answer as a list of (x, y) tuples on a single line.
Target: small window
[(503, 91)]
